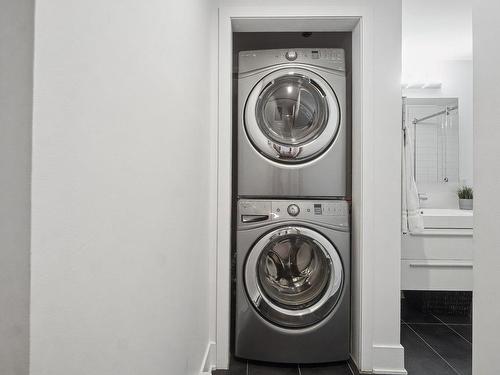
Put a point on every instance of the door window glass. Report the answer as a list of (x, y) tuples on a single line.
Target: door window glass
[(292, 110), (294, 271)]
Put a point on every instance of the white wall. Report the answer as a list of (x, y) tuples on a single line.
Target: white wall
[(436, 31), (487, 181), (16, 92), (385, 214), (376, 282), (437, 47), (119, 199)]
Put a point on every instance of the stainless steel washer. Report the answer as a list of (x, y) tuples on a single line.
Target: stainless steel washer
[(292, 123), (292, 286)]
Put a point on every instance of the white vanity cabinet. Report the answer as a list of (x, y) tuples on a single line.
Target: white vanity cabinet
[(441, 257)]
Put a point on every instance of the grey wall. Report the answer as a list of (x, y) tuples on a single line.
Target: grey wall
[(16, 87)]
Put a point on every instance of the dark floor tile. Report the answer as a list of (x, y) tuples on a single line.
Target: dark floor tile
[(410, 314), (237, 366), (340, 368), (419, 358), (454, 319), (255, 368), (464, 330), (453, 348), (221, 372)]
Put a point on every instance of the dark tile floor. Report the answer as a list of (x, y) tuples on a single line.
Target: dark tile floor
[(241, 367), (436, 344)]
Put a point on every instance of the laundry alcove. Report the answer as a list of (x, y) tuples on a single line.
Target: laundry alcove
[(375, 171)]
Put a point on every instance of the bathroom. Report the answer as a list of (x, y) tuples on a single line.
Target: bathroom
[(119, 209), (437, 245)]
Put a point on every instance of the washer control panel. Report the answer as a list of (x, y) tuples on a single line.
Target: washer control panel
[(335, 212), (309, 208)]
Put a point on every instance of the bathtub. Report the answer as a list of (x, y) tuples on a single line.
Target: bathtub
[(447, 218), (441, 257)]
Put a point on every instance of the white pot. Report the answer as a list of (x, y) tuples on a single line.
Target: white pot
[(465, 204)]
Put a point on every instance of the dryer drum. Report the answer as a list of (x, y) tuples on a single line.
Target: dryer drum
[(292, 115), (292, 110)]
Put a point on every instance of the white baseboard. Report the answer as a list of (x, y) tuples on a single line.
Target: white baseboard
[(389, 372), (208, 363), (388, 360)]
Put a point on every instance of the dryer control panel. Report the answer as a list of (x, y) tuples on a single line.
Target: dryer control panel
[(329, 58), (333, 212)]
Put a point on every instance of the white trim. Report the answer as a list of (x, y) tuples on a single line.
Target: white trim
[(224, 179), (313, 24), (444, 232), (389, 372), (226, 16), (388, 360), (363, 163), (208, 363)]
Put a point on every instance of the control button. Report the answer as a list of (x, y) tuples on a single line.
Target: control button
[(293, 210), (291, 55), (318, 210), (331, 210)]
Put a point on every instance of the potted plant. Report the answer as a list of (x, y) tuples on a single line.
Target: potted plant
[(465, 196)]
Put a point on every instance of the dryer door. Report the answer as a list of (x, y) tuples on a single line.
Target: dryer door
[(292, 116), (294, 276)]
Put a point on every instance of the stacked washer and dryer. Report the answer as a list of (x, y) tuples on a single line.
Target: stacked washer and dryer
[(292, 225)]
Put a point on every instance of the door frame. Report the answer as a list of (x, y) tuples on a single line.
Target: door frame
[(367, 355)]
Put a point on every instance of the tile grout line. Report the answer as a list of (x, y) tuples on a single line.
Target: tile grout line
[(350, 368), (449, 327), (437, 323), (434, 350)]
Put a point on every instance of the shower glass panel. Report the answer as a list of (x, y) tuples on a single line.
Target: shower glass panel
[(434, 124)]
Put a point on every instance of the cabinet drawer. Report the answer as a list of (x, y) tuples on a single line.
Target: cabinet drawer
[(436, 274), (437, 245)]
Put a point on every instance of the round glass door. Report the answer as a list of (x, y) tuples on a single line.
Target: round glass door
[(292, 110), (294, 276), (292, 116), (293, 271)]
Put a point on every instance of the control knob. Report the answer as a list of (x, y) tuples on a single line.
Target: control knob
[(293, 210), (291, 55)]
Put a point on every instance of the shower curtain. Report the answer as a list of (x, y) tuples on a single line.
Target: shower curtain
[(412, 221)]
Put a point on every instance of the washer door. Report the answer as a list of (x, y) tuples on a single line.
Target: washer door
[(292, 116), (294, 276)]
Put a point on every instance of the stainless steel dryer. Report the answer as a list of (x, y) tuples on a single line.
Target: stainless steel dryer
[(292, 123), (292, 281)]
